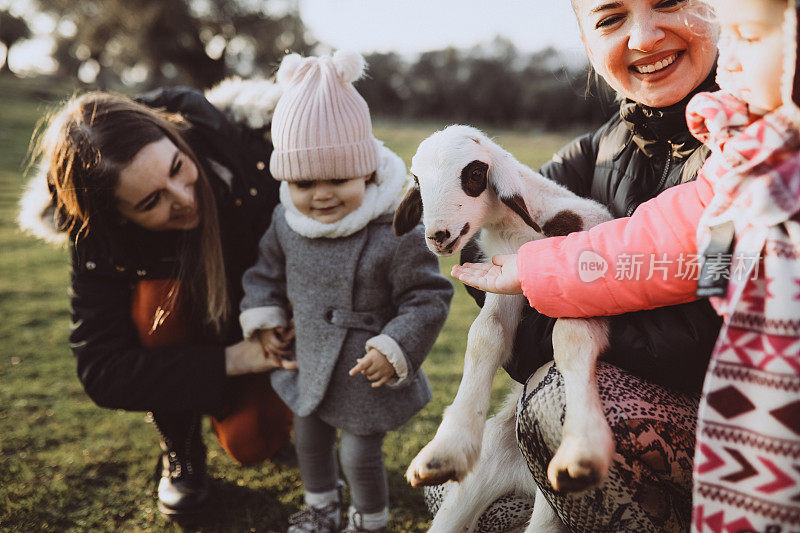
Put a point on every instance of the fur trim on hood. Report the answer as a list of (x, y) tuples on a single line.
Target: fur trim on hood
[(37, 214), (247, 102), (381, 197)]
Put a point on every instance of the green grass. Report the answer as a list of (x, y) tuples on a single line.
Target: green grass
[(67, 465)]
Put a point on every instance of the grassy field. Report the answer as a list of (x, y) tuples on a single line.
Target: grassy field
[(67, 465)]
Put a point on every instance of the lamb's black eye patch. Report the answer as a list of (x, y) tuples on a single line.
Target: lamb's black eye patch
[(473, 178)]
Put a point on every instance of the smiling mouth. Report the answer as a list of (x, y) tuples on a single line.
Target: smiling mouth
[(325, 209), (656, 66)]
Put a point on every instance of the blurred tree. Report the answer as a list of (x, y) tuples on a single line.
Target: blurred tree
[(145, 43), (12, 30), (151, 42), (493, 84), (436, 87), (487, 84), (385, 85)]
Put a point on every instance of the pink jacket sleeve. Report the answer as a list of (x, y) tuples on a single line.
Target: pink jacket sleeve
[(640, 262)]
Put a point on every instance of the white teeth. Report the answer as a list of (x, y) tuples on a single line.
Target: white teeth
[(658, 65)]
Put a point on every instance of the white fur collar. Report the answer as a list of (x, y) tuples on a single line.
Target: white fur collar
[(248, 102), (381, 197)]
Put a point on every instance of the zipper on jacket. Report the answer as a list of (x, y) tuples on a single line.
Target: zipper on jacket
[(666, 170), (661, 182)]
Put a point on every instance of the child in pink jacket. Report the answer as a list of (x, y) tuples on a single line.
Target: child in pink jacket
[(681, 245)]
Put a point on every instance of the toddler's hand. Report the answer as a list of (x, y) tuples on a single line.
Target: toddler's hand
[(499, 277), (277, 346), (247, 356), (277, 341), (376, 367)]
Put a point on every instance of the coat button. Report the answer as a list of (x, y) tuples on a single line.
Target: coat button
[(329, 315), (253, 191), (91, 265), (260, 165), (237, 202), (141, 272)]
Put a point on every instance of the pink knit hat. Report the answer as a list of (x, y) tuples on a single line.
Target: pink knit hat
[(321, 128)]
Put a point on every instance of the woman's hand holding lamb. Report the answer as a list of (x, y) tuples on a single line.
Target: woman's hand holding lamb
[(375, 367), (499, 276)]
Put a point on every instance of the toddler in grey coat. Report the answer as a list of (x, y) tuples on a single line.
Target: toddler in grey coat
[(366, 305)]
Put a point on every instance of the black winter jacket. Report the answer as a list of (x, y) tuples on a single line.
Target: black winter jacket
[(633, 157), (116, 371)]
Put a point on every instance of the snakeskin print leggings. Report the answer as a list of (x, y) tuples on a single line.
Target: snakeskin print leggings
[(649, 486)]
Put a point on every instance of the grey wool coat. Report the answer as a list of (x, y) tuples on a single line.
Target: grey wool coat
[(343, 292)]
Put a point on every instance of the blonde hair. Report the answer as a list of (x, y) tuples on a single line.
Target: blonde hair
[(85, 145)]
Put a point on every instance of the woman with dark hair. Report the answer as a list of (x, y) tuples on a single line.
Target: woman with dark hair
[(162, 202)]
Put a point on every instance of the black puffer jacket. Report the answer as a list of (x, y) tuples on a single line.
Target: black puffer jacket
[(633, 157), (116, 371)]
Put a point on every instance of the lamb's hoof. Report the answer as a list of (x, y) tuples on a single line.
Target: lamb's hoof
[(573, 478), (440, 462), (574, 468), (426, 470), (418, 480)]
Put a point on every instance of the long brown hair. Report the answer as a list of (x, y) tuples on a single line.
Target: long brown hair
[(86, 144)]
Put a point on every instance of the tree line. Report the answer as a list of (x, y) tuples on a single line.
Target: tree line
[(492, 84), (119, 44)]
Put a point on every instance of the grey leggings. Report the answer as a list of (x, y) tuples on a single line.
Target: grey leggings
[(361, 457)]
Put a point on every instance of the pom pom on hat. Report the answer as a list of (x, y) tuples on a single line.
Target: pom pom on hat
[(289, 66), (349, 65)]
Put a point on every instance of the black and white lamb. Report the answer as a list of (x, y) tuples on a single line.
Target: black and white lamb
[(464, 182)]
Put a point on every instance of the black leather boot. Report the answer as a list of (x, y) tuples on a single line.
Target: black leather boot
[(183, 487)]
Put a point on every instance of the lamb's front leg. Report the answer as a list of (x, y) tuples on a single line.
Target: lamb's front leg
[(457, 444), (587, 444)]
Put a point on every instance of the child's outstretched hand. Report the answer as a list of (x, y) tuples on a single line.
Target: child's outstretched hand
[(375, 367), (499, 277)]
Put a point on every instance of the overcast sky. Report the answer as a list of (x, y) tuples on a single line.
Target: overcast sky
[(411, 26)]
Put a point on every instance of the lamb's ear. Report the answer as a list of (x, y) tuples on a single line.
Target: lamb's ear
[(408, 213), (517, 204), (505, 180)]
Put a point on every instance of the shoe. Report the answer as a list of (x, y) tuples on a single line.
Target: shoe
[(355, 524), (183, 484), (327, 519), (314, 519)]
